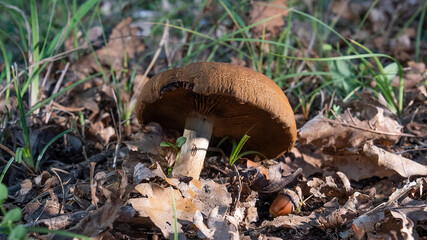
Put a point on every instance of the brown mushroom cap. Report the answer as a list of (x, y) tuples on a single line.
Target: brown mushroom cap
[(236, 98)]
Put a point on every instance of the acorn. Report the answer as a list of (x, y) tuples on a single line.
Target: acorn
[(285, 203)]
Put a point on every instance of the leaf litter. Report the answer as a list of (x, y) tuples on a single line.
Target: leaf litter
[(359, 174)]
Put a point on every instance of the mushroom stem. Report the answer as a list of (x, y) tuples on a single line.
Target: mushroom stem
[(198, 132)]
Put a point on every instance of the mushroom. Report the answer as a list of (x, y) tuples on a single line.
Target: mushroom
[(217, 99)]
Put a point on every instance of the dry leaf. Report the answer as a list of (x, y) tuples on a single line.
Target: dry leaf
[(347, 9), (404, 166), (148, 140), (357, 166), (412, 210), (145, 148), (142, 172), (223, 226), (205, 232), (253, 164), (107, 133), (262, 10), (308, 158), (350, 132), (356, 204), (412, 77), (156, 202), (294, 221), (98, 221), (123, 41), (396, 225)]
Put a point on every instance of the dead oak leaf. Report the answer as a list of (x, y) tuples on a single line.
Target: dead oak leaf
[(350, 132), (156, 202), (397, 219), (262, 10), (123, 41), (100, 220), (417, 73)]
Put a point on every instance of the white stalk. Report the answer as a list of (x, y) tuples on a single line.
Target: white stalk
[(198, 132)]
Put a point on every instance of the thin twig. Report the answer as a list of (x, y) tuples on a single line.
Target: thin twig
[(118, 128), (66, 109), (55, 90), (369, 130), (411, 150), (239, 189), (396, 195), (7, 150), (62, 187)]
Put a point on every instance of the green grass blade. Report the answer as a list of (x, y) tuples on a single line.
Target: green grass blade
[(53, 10), (36, 56), (27, 153), (366, 16), (240, 24), (236, 151), (75, 19), (18, 154), (39, 158), (321, 23), (175, 219), (384, 84), (30, 79), (327, 59), (6, 168)]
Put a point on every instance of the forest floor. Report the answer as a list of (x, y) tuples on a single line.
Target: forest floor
[(74, 157)]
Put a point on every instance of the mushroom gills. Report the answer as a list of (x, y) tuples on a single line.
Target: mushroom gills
[(197, 132)]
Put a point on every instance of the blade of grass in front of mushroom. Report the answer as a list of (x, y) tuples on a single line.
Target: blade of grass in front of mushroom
[(235, 151), (237, 147)]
